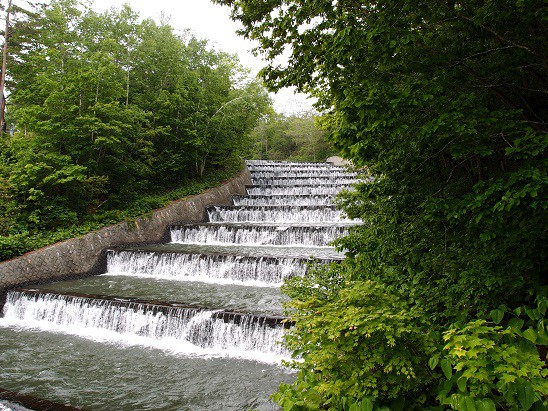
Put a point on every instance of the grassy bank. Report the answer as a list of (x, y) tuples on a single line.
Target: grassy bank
[(19, 243)]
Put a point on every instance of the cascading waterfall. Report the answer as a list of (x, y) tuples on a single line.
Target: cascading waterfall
[(276, 214), (276, 167), (320, 189), (288, 235), (81, 314), (302, 181), (190, 331), (281, 200), (303, 174), (262, 165), (223, 269), (236, 260)]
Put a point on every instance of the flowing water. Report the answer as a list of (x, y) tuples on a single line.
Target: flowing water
[(281, 190), (282, 200), (277, 214), (195, 324)]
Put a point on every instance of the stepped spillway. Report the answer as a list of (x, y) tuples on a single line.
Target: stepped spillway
[(248, 234), (215, 269), (292, 173), (319, 189), (190, 330), (272, 165), (282, 200), (302, 181), (206, 306), (277, 214)]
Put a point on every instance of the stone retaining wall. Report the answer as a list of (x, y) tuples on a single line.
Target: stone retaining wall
[(86, 255)]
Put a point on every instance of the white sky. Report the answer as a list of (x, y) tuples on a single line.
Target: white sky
[(210, 21)]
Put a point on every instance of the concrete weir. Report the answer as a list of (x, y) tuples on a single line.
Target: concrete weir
[(154, 307)]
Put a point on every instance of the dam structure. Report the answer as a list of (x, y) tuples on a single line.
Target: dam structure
[(191, 324)]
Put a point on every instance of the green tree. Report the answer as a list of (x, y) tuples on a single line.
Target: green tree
[(66, 93), (109, 109), (444, 102)]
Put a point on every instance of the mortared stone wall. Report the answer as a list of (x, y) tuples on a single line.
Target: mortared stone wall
[(86, 255)]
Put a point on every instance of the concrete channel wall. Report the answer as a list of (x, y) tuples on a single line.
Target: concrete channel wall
[(86, 255)]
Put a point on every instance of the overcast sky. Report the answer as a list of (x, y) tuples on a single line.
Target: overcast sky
[(210, 21)]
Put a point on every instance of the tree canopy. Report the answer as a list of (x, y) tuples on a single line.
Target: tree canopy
[(107, 108), (444, 102)]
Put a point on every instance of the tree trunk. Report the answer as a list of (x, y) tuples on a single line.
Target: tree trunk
[(3, 77), (127, 81)]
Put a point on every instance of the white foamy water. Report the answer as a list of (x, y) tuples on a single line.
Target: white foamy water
[(303, 181), (327, 174), (277, 214), (282, 163), (213, 269), (186, 331), (9, 406), (321, 190), (257, 235), (282, 200)]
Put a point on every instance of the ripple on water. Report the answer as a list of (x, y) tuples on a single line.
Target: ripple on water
[(100, 376)]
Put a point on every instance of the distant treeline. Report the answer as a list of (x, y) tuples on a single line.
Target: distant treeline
[(294, 138)]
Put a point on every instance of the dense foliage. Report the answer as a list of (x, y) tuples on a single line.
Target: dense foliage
[(292, 138), (108, 109), (440, 302)]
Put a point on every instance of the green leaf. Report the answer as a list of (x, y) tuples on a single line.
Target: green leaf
[(516, 323), (433, 362), (447, 368), (468, 404), (461, 383), (497, 315), (526, 396), (530, 334), (485, 405), (366, 405), (462, 403), (532, 313)]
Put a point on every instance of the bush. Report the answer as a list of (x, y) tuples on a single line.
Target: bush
[(495, 366), (21, 239), (354, 340)]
